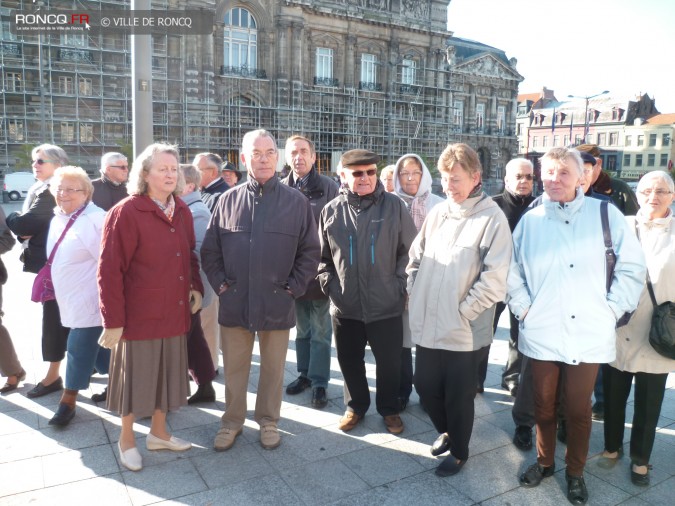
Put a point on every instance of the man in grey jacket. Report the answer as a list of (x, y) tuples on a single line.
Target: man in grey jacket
[(260, 251), (313, 331), (365, 236)]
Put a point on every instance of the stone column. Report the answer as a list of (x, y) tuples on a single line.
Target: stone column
[(282, 48), (350, 48), (296, 56)]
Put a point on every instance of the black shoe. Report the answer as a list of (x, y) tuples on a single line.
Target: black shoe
[(562, 431), (41, 389), (100, 397), (403, 403), (204, 393), (319, 399), (64, 414), (523, 437), (299, 385), (641, 480), (441, 445), (450, 466), (576, 489), (598, 411), (480, 388), (511, 387), (534, 474)]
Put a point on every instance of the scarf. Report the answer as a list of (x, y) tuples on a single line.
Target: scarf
[(418, 209), (167, 208)]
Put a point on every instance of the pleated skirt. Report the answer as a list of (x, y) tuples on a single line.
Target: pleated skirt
[(148, 375)]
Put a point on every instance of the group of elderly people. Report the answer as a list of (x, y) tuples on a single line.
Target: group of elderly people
[(400, 269)]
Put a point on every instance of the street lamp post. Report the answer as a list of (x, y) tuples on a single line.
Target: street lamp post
[(587, 98)]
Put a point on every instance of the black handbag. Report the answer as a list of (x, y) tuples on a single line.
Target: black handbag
[(610, 258), (662, 331)]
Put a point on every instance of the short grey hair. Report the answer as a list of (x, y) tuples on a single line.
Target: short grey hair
[(76, 173), (110, 158), (142, 164), (211, 157), (52, 152), (564, 156), (516, 163), (191, 174), (249, 137), (656, 174)]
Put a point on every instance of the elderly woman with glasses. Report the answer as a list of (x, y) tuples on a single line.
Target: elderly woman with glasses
[(149, 284), (456, 275), (31, 226), (636, 360), (75, 241), (558, 290)]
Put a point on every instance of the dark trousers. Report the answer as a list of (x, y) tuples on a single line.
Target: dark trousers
[(385, 338), (54, 335), (576, 382), (511, 374), (523, 406), (405, 388), (649, 391), (445, 382), (200, 364)]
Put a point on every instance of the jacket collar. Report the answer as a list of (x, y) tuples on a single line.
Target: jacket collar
[(517, 200), (361, 203), (260, 189)]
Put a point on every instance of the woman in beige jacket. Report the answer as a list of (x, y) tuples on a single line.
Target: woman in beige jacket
[(635, 358), (456, 274)]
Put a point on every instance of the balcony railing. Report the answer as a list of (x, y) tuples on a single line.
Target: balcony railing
[(326, 81), (363, 85), (10, 49), (408, 89), (76, 55), (243, 72)]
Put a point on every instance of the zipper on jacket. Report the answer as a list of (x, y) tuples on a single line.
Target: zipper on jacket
[(372, 248), (351, 257)]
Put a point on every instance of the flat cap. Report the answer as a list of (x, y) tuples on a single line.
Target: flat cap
[(588, 158), (593, 149), (358, 157), (227, 166)]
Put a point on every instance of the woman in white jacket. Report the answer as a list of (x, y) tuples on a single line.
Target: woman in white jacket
[(557, 288), (456, 274), (635, 357), (74, 278)]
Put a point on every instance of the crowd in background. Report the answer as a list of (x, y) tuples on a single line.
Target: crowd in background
[(148, 272)]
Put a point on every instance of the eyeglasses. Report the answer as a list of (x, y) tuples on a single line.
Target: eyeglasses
[(408, 175), (121, 167), (259, 155), (658, 193), (67, 191), (40, 161), (359, 173), (526, 177)]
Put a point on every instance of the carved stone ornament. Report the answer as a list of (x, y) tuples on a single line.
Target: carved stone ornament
[(487, 66)]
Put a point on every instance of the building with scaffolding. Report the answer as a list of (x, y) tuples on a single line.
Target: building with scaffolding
[(385, 75)]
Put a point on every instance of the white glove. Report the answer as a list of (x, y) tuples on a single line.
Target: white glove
[(110, 337), (195, 301)]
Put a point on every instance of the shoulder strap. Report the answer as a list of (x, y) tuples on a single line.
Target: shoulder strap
[(63, 234), (650, 288), (610, 256)]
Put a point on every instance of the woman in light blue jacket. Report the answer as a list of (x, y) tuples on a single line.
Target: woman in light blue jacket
[(557, 287)]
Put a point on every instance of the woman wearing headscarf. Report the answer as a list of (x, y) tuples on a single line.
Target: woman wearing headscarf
[(75, 241), (412, 182), (149, 284), (456, 274), (636, 360)]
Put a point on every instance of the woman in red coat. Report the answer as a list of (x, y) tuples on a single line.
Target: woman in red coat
[(149, 283)]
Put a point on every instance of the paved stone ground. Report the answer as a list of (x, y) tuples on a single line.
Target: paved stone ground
[(315, 464)]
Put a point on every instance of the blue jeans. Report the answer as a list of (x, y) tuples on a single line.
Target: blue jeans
[(313, 340), (84, 354)]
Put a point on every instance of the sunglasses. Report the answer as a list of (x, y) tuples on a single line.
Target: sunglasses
[(40, 161), (121, 167), (360, 173), (527, 177)]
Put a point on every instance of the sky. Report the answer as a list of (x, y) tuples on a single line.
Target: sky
[(579, 47)]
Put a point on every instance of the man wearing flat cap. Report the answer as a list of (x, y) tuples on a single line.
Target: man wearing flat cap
[(365, 236)]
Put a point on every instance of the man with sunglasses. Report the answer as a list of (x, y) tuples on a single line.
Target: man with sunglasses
[(111, 187), (513, 201), (365, 236)]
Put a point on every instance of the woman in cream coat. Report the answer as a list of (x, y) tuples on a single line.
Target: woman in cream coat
[(456, 274), (635, 357)]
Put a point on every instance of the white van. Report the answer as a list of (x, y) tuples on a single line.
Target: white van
[(17, 184)]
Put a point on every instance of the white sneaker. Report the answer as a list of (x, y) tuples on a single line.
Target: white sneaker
[(131, 458), (174, 444)]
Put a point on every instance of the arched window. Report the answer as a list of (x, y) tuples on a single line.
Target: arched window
[(240, 39)]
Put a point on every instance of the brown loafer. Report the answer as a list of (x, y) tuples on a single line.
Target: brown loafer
[(394, 424), (349, 421)]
